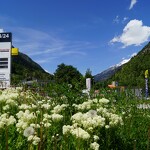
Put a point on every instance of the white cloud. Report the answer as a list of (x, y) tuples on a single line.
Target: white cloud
[(116, 20), (124, 19), (133, 2), (1, 30), (47, 47), (134, 33)]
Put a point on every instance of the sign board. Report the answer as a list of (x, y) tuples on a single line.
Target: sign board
[(146, 74), (88, 84), (5, 59), (14, 51)]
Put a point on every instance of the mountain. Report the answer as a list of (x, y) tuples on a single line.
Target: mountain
[(106, 74), (24, 68), (130, 73), (133, 72)]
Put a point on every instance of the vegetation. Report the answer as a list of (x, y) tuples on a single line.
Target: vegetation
[(132, 73), (58, 116), (24, 68), (67, 120), (67, 74)]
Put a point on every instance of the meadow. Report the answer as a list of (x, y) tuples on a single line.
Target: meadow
[(64, 119)]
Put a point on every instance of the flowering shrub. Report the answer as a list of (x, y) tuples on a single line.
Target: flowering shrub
[(90, 118), (31, 121)]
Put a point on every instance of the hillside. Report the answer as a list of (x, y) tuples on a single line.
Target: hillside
[(24, 68), (106, 74), (132, 73)]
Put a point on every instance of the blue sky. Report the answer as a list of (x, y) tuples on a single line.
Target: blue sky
[(95, 34)]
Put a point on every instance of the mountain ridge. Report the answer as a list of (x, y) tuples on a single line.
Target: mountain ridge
[(24, 68), (130, 73)]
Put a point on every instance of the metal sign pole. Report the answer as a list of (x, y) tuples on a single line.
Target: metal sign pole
[(146, 84)]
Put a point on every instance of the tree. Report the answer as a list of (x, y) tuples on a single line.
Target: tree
[(88, 73), (67, 74)]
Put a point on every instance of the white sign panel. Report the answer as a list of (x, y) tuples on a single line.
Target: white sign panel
[(88, 84), (5, 59)]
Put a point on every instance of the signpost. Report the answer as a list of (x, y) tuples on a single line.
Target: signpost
[(88, 84), (146, 84), (5, 59)]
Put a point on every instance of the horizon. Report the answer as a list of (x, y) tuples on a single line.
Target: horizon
[(94, 35)]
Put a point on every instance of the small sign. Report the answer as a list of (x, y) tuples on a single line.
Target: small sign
[(5, 37), (14, 51), (146, 74)]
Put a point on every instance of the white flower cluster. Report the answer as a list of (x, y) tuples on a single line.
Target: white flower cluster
[(29, 132), (76, 131), (103, 101), (94, 146), (84, 106), (56, 117), (46, 120), (115, 120), (96, 118), (6, 120), (86, 122), (89, 120), (57, 109), (91, 103), (7, 99), (46, 106), (96, 138), (25, 119), (112, 119), (8, 94), (24, 106)]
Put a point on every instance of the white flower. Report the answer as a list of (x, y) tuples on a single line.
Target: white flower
[(6, 107), (67, 129), (57, 109), (94, 146), (11, 102), (7, 120), (95, 100), (33, 106), (46, 106), (103, 101), (24, 106), (92, 113), (80, 133), (2, 124), (56, 117), (34, 125), (38, 112), (30, 137), (28, 131), (19, 114), (46, 125), (107, 126), (40, 102), (11, 120), (36, 140), (96, 138), (85, 105)]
